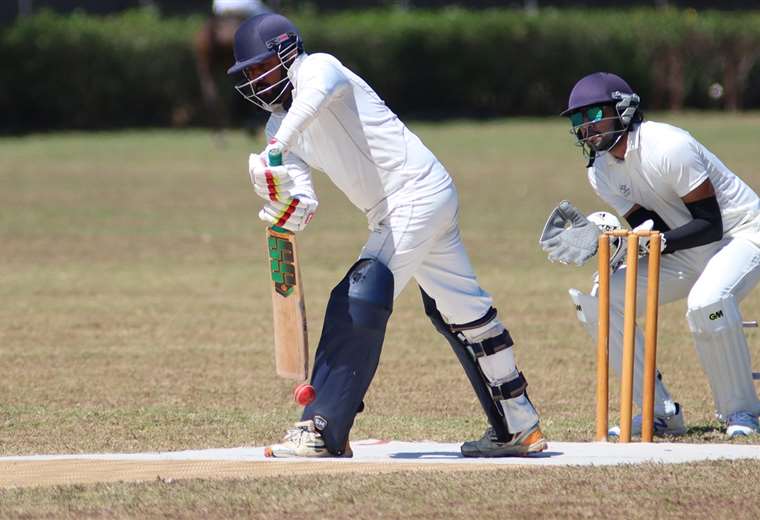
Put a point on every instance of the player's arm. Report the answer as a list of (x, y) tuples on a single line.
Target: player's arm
[(705, 227), (638, 215), (319, 82)]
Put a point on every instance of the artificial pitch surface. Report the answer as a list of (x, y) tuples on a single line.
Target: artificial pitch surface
[(370, 456)]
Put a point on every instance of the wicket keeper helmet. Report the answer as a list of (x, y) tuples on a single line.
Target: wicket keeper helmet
[(589, 95), (256, 40)]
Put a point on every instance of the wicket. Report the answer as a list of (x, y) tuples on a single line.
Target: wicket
[(629, 335)]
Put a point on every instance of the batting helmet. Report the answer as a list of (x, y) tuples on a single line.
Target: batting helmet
[(257, 40), (263, 36)]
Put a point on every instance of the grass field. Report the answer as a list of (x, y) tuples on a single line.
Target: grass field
[(135, 316)]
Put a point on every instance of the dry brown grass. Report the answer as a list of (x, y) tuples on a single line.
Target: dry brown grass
[(701, 491), (134, 314)]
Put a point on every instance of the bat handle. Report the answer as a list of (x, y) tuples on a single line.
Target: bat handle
[(275, 159), (275, 156)]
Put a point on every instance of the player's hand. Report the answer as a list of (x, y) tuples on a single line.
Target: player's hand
[(644, 240), (293, 214), (272, 183), (568, 236)]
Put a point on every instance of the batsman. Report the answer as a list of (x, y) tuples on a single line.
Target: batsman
[(658, 176), (325, 117)]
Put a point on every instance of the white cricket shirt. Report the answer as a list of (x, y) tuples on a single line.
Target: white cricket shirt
[(662, 164), (337, 124)]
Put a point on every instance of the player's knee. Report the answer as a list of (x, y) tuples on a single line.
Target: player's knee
[(364, 297), (711, 317), (701, 297), (371, 281)]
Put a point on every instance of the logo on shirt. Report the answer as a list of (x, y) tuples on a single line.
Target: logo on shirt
[(625, 190)]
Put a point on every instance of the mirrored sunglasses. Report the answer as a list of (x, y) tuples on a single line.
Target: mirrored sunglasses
[(590, 114)]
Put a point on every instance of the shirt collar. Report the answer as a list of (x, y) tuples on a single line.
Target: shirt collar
[(293, 70), (634, 139)]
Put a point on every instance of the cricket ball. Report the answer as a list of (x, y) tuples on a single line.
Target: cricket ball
[(304, 394)]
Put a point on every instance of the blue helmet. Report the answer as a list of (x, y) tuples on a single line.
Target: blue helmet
[(256, 40), (263, 36)]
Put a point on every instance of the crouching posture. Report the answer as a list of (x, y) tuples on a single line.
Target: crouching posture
[(326, 117), (656, 175)]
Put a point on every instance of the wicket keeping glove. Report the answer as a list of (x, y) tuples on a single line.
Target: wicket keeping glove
[(568, 236), (292, 214)]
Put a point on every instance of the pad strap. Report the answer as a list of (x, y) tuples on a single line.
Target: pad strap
[(491, 346), (490, 315), (510, 389)]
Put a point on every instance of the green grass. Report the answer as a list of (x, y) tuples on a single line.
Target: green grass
[(135, 315)]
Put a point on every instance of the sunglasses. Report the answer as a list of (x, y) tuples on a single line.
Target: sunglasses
[(591, 114)]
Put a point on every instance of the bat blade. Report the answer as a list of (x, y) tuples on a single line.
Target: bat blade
[(291, 344)]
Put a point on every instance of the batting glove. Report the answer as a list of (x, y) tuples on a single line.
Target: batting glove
[(294, 214), (272, 183)]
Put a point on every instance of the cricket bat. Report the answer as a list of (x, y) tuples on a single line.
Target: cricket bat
[(291, 344)]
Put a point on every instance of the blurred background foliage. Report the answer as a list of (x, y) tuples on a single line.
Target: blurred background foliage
[(79, 69)]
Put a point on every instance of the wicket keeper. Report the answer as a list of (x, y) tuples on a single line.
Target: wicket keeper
[(654, 174)]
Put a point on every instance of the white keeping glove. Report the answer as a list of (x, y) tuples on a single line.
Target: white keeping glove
[(568, 236), (272, 183), (292, 214)]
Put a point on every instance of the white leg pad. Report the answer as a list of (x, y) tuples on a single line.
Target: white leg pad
[(586, 308), (500, 368), (519, 413), (723, 352)]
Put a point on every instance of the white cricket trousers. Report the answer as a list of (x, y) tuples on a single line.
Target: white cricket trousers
[(421, 240)]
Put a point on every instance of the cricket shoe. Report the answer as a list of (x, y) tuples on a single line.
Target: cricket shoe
[(303, 440), (521, 444), (742, 424), (664, 425)]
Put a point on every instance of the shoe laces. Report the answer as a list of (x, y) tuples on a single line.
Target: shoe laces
[(295, 433)]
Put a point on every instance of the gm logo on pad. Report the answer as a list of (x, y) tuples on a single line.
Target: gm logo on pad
[(716, 315)]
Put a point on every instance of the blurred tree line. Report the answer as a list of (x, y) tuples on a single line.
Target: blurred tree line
[(9, 9), (137, 68)]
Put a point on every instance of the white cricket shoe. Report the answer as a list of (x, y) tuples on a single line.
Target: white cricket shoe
[(664, 425), (303, 440), (521, 445), (742, 424)]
